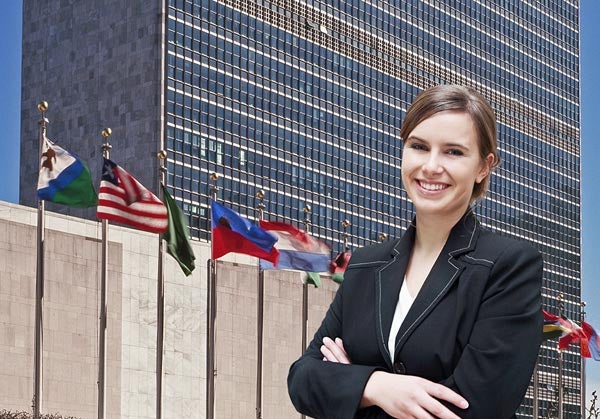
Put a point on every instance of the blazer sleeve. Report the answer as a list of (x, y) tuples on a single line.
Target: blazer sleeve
[(323, 389), (495, 367)]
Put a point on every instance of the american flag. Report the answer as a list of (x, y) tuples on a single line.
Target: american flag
[(125, 200)]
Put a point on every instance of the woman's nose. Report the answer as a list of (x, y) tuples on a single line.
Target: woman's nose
[(433, 163)]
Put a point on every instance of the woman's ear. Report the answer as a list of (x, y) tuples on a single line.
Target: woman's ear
[(486, 167)]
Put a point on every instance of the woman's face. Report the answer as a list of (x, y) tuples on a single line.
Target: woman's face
[(441, 163)]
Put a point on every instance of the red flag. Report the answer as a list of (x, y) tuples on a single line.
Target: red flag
[(125, 200), (338, 266), (340, 263), (233, 233)]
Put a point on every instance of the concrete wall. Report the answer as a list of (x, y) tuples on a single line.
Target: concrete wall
[(70, 362)]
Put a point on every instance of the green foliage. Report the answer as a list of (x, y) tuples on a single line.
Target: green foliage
[(9, 414)]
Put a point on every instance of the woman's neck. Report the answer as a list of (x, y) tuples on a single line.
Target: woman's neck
[(432, 232)]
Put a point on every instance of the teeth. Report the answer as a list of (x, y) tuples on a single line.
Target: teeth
[(432, 186)]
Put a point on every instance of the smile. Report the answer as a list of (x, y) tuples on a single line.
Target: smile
[(432, 186)]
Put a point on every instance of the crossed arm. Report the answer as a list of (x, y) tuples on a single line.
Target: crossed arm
[(400, 396)]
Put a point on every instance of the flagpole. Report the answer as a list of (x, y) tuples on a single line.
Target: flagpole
[(260, 317), (583, 395), (106, 147), (211, 315), (39, 283), (536, 383), (560, 365), (306, 211), (160, 294)]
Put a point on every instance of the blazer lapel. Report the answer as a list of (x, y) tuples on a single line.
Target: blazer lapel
[(444, 273), (387, 290)]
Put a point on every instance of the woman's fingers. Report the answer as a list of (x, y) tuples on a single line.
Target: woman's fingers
[(442, 392), (405, 396), (334, 351)]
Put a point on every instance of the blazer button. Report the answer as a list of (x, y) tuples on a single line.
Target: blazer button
[(399, 368)]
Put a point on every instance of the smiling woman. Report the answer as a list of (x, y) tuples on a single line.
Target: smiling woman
[(441, 164), (426, 325)]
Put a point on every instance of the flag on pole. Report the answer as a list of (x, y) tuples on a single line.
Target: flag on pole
[(554, 326), (338, 266), (313, 278), (297, 249), (567, 331), (593, 344), (233, 233), (125, 200), (177, 235), (63, 178)]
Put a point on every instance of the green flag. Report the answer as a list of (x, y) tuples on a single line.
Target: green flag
[(338, 277), (313, 278), (63, 178), (178, 244)]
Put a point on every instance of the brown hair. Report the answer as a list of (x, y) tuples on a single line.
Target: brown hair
[(456, 98)]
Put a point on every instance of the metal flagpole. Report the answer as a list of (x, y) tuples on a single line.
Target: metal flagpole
[(560, 366), (211, 311), (162, 155), (536, 391), (345, 225), (306, 210), (260, 317), (39, 281), (583, 395), (102, 329), (160, 294)]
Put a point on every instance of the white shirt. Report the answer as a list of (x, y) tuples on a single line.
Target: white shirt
[(405, 300)]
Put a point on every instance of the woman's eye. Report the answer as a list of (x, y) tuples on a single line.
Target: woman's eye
[(455, 152), (417, 146)]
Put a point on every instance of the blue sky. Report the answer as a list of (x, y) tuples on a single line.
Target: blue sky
[(10, 75)]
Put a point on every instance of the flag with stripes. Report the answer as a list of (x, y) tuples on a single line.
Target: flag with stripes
[(125, 200), (297, 249)]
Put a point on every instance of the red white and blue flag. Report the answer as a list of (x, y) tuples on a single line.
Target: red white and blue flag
[(593, 344), (298, 250), (125, 200), (233, 233)]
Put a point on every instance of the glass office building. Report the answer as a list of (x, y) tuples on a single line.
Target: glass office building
[(303, 99)]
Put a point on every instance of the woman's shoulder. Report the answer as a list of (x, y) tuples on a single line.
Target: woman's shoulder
[(373, 254), (495, 245)]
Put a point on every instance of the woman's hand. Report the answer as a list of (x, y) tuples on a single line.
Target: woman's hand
[(407, 396), (400, 396), (333, 351)]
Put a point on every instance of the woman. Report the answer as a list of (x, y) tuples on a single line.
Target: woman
[(446, 321)]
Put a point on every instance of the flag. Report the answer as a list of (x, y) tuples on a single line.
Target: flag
[(313, 278), (178, 244), (297, 249), (233, 233), (63, 178), (567, 331), (593, 344), (125, 200), (338, 266), (554, 326)]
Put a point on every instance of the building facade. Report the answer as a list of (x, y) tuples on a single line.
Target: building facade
[(304, 100)]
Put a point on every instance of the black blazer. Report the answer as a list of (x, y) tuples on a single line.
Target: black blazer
[(475, 326)]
